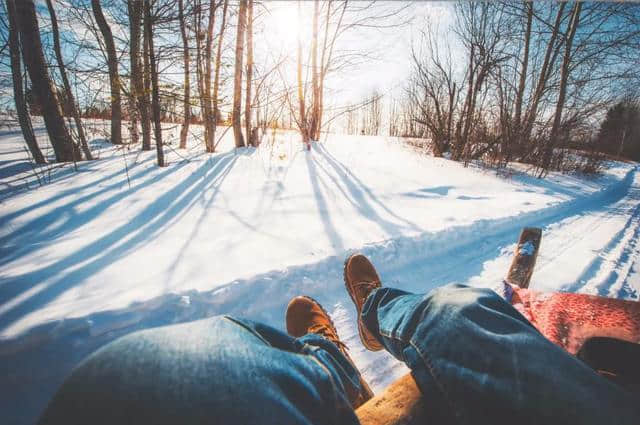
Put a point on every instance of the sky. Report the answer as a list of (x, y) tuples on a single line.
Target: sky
[(391, 46), (277, 23), (386, 68)]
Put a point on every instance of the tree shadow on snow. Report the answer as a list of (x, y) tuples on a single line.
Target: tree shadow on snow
[(360, 195), (43, 227), (73, 269)]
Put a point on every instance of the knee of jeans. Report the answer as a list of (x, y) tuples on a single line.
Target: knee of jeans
[(457, 297)]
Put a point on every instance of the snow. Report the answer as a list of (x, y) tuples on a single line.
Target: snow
[(88, 256), (526, 248)]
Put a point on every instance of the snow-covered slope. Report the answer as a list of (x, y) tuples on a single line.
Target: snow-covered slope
[(92, 255)]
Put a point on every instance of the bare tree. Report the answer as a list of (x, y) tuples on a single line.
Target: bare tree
[(543, 78), (209, 119), (114, 77), (523, 74), (145, 103), (249, 77), (314, 124), (477, 28), (337, 20), (18, 94), (302, 118), (139, 107), (42, 84), (184, 130), (433, 92), (534, 82), (155, 95), (237, 79), (372, 115), (216, 79), (71, 104), (562, 91)]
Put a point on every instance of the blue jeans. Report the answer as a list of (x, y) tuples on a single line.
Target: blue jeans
[(474, 357)]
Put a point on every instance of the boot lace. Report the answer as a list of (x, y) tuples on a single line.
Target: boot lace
[(365, 288), (329, 333)]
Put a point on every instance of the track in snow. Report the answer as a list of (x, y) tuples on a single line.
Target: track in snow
[(610, 227), (611, 272)]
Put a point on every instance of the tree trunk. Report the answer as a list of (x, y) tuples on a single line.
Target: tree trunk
[(114, 78), (237, 79), (562, 92), (452, 97), (148, 29), (65, 82), (315, 94), (206, 98), (247, 103), (216, 81), (325, 59), (321, 72), (547, 65), (199, 69), (464, 124), (184, 130), (41, 82), (145, 104), (523, 75), (136, 79), (18, 94), (134, 47), (302, 123), (622, 140)]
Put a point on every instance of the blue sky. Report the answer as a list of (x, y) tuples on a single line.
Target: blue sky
[(385, 71)]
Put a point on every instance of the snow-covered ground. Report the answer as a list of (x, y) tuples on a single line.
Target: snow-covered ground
[(122, 245)]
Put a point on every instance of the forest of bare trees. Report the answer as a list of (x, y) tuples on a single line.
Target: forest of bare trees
[(535, 82), (506, 81), (132, 50)]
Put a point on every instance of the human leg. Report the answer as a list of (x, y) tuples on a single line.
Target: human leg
[(476, 359), (307, 319), (221, 370)]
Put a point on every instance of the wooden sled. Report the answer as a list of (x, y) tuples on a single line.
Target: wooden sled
[(602, 332)]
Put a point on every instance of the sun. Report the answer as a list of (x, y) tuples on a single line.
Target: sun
[(284, 22)]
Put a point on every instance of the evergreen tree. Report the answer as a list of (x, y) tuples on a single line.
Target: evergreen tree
[(620, 131)]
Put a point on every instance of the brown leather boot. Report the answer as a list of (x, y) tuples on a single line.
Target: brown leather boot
[(360, 278), (305, 315)]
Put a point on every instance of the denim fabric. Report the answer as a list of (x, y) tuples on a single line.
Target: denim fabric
[(474, 357), (214, 371), (478, 360)]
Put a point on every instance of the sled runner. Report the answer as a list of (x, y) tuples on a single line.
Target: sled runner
[(602, 332)]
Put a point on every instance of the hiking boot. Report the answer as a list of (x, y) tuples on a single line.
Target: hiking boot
[(304, 316), (360, 278)]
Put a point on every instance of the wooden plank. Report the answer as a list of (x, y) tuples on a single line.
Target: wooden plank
[(399, 404), (525, 256)]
